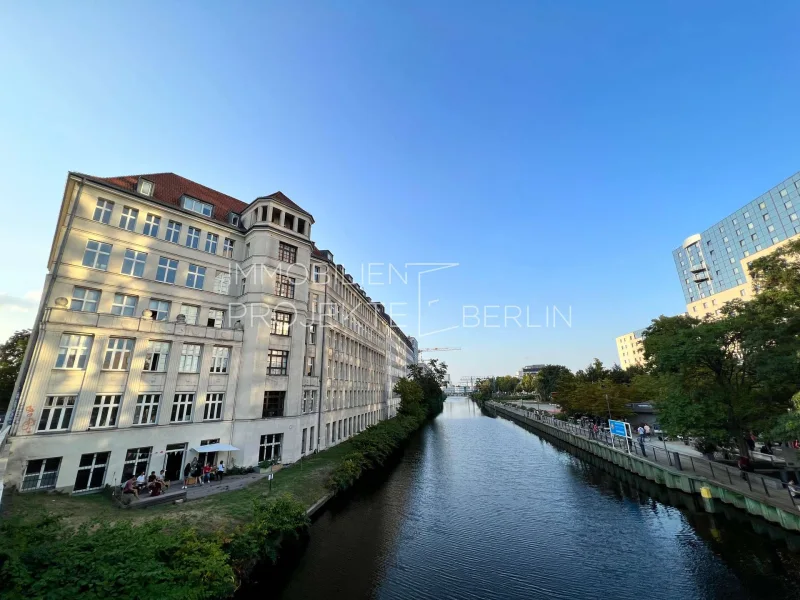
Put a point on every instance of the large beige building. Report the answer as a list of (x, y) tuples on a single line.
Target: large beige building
[(175, 316), (630, 348)]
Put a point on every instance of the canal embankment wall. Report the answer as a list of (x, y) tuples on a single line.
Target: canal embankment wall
[(778, 508)]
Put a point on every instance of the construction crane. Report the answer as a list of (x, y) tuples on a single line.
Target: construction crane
[(421, 350)]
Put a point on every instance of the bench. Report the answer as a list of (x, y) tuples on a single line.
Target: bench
[(128, 501)]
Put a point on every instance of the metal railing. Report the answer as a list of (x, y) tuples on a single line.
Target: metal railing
[(718, 472)]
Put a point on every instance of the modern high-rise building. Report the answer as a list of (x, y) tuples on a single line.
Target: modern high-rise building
[(712, 265), (530, 370), (630, 348), (174, 317)]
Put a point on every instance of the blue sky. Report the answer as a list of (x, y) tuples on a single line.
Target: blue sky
[(557, 151)]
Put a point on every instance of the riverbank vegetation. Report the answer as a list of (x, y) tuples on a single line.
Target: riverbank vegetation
[(61, 546)]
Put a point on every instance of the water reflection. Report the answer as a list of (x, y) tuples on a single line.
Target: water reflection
[(481, 508)]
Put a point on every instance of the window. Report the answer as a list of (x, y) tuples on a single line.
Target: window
[(766, 216), (735, 221), (754, 237), (244, 286), (124, 305), (73, 351), (301, 229), (314, 303), (215, 318), (749, 225), (762, 205), (196, 277), (193, 237), (160, 309), (96, 255), (151, 225), (309, 366), (127, 219), (220, 356), (157, 356), (211, 242), (213, 408), (167, 269), (233, 219), (273, 404), (771, 228), (202, 208), (281, 323), (270, 447), (247, 250), (91, 472), (278, 362), (788, 204), (784, 193), (284, 286), (146, 410), (312, 334), (145, 187), (182, 408), (57, 413), (102, 212), (287, 253), (190, 358), (309, 400), (105, 410), (742, 292), (133, 263), (276, 216), (190, 312), (303, 441), (41, 474), (746, 215), (173, 232), (317, 273), (227, 248), (222, 282), (775, 240), (288, 221), (118, 354), (136, 461), (793, 217), (84, 299)]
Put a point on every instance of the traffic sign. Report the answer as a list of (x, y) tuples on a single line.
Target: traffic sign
[(617, 428)]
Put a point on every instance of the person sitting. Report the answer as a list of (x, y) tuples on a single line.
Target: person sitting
[(155, 488), (207, 473), (130, 487), (141, 481), (152, 477), (162, 479), (793, 489)]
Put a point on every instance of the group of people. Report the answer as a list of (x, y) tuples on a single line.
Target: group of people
[(201, 473), (153, 484)]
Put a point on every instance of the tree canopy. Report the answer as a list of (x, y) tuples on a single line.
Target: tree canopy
[(11, 354)]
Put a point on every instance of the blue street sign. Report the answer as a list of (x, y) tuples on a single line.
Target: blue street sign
[(617, 428)]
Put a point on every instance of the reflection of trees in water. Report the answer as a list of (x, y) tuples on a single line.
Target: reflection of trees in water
[(765, 557)]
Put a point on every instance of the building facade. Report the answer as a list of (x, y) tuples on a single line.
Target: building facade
[(712, 265), (532, 370), (175, 316), (630, 349)]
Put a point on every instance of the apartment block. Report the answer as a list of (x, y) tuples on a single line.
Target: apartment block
[(630, 349), (175, 316), (712, 265)]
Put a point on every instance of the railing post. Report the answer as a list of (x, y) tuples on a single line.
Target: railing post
[(728, 471), (764, 483), (712, 470)]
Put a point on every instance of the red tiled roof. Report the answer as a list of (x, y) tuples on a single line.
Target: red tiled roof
[(169, 188)]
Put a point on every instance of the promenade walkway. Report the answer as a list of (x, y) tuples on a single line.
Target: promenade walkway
[(768, 490)]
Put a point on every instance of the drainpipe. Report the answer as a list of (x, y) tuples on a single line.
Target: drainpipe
[(26, 359), (322, 364)]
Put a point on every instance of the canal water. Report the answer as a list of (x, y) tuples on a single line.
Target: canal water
[(481, 508)]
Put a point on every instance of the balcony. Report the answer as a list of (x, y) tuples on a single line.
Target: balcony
[(135, 324), (701, 266), (701, 276)]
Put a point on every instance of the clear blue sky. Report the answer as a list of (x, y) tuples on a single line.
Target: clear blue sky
[(557, 151)]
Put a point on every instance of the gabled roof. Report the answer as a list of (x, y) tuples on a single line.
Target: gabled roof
[(169, 188)]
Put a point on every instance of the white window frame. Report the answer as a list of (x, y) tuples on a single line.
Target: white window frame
[(227, 248), (95, 253), (193, 237), (196, 277), (197, 206), (152, 224), (102, 211), (212, 239), (118, 354), (73, 351), (123, 307), (49, 476), (213, 407), (222, 282), (167, 270), (146, 411), (157, 356), (174, 231), (191, 355), (218, 321), (105, 411), (182, 408), (310, 365), (57, 413), (271, 441), (84, 299), (157, 311), (312, 334), (220, 359), (192, 314), (128, 218), (133, 263)]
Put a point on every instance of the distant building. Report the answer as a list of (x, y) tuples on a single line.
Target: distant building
[(530, 370), (630, 348)]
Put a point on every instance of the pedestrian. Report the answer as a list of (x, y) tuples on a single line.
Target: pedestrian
[(187, 470), (220, 471), (641, 432), (647, 430)]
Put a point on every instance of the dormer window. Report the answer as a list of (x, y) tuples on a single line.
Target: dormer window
[(233, 219), (288, 221), (194, 205), (145, 187), (301, 226), (276, 216)]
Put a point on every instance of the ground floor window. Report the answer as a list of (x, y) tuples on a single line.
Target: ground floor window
[(136, 461), (41, 474), (91, 472), (208, 457), (270, 447)]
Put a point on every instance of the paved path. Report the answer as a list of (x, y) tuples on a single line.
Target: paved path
[(765, 489)]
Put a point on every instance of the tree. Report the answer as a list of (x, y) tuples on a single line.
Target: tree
[(549, 378), (593, 373), (11, 354), (430, 376), (528, 383)]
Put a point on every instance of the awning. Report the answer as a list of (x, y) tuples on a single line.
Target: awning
[(215, 448)]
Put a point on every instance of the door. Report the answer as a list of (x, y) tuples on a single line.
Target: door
[(208, 457), (173, 461), (91, 472)]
